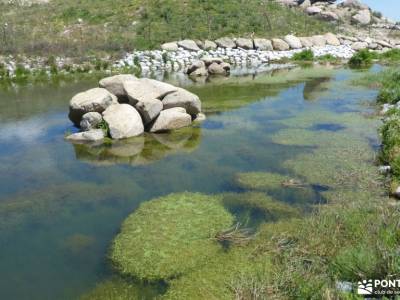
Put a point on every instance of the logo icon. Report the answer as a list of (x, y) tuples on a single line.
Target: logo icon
[(365, 287)]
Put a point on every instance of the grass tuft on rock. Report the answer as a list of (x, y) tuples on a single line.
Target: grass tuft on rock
[(170, 236)]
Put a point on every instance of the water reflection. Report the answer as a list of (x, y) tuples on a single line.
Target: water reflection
[(140, 150)]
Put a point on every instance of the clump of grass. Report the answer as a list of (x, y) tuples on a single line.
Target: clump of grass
[(305, 55), (390, 91), (170, 236), (362, 59), (392, 55)]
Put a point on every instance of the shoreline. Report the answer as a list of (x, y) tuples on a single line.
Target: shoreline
[(157, 62)]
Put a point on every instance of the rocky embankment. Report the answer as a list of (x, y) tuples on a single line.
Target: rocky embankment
[(178, 56), (124, 106)]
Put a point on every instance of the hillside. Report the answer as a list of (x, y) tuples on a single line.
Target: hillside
[(84, 27)]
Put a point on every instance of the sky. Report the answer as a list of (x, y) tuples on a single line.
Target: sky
[(389, 8)]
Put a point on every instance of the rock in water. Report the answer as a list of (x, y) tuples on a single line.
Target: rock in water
[(90, 121), (93, 135), (123, 121), (293, 41), (147, 89), (169, 119), (94, 100), (114, 85), (225, 42), (280, 45), (216, 69), (149, 109), (182, 98)]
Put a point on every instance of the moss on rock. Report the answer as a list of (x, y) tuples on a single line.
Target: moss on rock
[(170, 236)]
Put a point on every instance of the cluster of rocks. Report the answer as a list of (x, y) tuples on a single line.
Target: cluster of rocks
[(124, 106), (209, 66), (350, 11)]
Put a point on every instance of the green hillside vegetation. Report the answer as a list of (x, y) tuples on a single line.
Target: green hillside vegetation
[(78, 27)]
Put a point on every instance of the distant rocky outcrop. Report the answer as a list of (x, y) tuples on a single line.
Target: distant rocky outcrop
[(125, 106)]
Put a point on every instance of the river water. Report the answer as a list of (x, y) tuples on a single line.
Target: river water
[(62, 204)]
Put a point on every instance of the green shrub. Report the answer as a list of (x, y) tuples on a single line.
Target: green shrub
[(390, 91), (305, 55), (361, 59)]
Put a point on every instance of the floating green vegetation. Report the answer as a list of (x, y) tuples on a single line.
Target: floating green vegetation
[(232, 274), (343, 162), (362, 59), (170, 236), (261, 181), (121, 289), (253, 204)]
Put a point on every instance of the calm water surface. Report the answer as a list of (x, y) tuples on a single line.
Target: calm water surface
[(62, 204)]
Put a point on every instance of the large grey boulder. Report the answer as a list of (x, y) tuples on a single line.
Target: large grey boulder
[(331, 39), (355, 4), (189, 45), (172, 46), (93, 100), (114, 85), (244, 43), (197, 68), (293, 41), (329, 16), (208, 60), (263, 44), (182, 98), (149, 109), (280, 45), (313, 10), (170, 119), (93, 135), (306, 42), (90, 120), (123, 121), (147, 89), (359, 46), (363, 17), (216, 69), (225, 42), (209, 45), (318, 40)]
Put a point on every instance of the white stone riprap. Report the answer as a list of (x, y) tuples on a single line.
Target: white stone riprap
[(179, 61)]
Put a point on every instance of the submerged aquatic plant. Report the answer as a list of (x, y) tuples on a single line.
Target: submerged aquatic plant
[(170, 236), (261, 180)]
